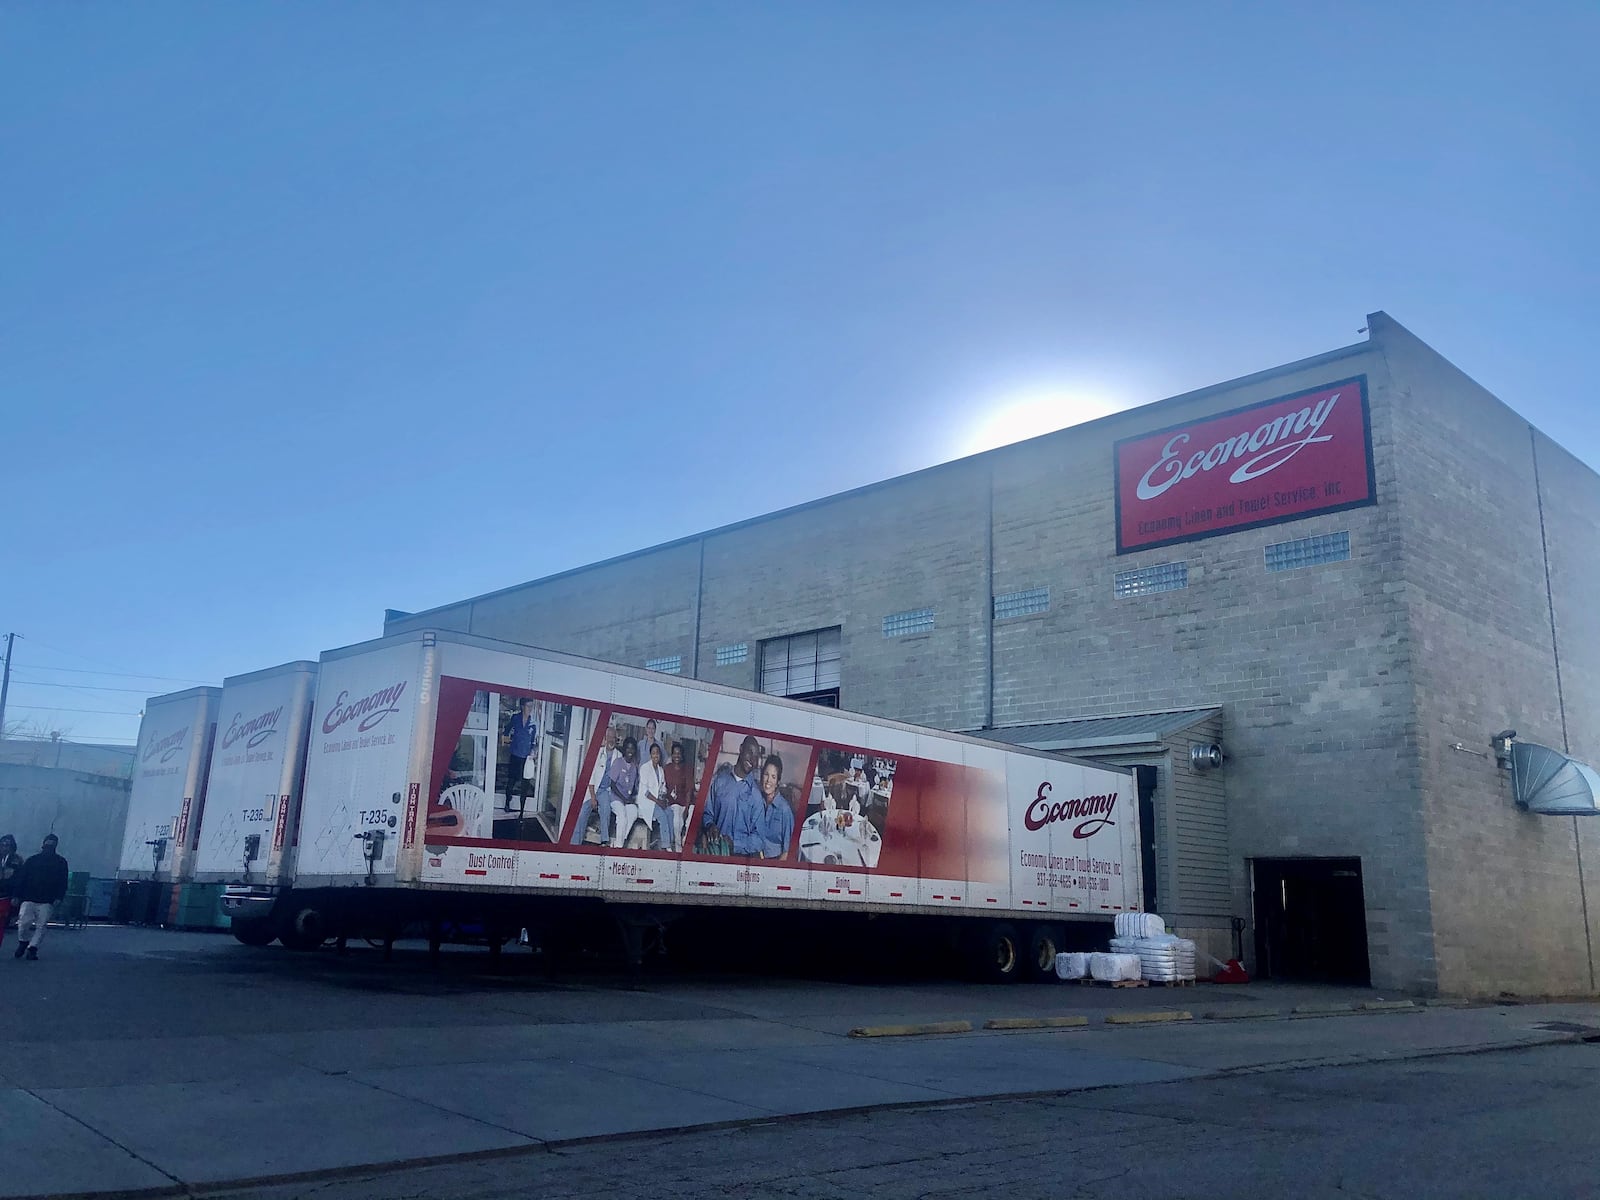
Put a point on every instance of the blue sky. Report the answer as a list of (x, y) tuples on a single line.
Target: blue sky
[(310, 310)]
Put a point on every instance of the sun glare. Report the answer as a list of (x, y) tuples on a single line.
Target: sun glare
[(1017, 417)]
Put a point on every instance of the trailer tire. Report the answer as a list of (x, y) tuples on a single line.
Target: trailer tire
[(303, 929), (1044, 943), (254, 933), (997, 952)]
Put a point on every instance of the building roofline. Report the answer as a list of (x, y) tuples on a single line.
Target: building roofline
[(1315, 360)]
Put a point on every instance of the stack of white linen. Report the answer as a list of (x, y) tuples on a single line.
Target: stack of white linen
[(1114, 968), (1072, 966), (1162, 959)]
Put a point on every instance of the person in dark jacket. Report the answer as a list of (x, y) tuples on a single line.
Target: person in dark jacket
[(10, 864), (40, 885)]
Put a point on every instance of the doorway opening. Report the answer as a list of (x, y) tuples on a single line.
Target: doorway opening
[(1311, 920), (1145, 780)]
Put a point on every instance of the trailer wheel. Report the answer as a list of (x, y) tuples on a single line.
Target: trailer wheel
[(305, 929), (997, 953), (1044, 943), (254, 933)]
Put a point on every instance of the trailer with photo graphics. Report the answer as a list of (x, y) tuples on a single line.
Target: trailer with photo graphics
[(460, 782)]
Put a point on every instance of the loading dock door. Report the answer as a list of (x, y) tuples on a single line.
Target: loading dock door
[(1145, 778), (1311, 920)]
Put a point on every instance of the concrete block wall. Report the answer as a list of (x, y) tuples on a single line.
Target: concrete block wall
[(622, 611), (1505, 887), (1311, 666), (916, 543), (1570, 492)]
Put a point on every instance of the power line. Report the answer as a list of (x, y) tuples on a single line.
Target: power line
[(105, 712), (73, 740), (119, 674), (77, 687), (87, 659)]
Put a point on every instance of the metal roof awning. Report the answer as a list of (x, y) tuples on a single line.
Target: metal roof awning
[(1547, 782), (1098, 733)]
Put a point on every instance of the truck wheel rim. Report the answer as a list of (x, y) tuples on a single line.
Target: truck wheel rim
[(1005, 955)]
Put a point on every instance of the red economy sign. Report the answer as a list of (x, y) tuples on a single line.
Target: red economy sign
[(1274, 461)]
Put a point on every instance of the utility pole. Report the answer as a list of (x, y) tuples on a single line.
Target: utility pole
[(5, 682)]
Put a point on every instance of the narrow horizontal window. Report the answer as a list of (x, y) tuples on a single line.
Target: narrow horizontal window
[(1162, 577), (728, 656), (918, 620), (1308, 552), (670, 664), (1020, 604)]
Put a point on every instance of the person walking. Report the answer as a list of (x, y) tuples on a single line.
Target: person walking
[(40, 885), (521, 739), (10, 864)]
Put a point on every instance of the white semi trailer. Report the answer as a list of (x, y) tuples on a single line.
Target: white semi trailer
[(257, 769), (170, 767), (453, 779)]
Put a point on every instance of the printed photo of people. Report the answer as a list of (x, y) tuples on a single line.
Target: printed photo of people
[(848, 809), (753, 798), (505, 762), (640, 793)]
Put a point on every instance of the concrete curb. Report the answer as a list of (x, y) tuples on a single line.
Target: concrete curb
[(1244, 1014), (1036, 1023), (1150, 1017), (872, 1031), (1389, 1006), (1321, 1010)]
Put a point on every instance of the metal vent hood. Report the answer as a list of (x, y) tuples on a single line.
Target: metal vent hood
[(1547, 782)]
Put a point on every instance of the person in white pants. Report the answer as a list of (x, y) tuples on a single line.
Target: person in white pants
[(32, 919), (40, 883)]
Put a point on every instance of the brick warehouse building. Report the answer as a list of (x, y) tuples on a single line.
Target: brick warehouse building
[(1351, 588)]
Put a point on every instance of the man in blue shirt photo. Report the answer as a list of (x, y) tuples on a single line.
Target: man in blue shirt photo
[(764, 823), (521, 739), (728, 784)]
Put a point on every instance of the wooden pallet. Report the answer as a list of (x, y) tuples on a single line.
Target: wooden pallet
[(1178, 983), (1115, 983)]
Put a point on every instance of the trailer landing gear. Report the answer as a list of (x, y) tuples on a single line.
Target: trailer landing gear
[(639, 933)]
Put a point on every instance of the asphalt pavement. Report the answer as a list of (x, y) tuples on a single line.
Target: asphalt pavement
[(140, 1060)]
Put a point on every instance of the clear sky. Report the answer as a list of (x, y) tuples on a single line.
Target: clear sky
[(309, 310)]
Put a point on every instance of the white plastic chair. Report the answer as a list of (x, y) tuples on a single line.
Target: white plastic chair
[(471, 803)]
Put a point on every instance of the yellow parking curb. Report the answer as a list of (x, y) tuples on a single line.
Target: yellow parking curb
[(1149, 1018), (1036, 1023), (1322, 1010), (867, 1031)]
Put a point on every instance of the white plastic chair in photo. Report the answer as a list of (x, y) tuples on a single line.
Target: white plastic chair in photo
[(471, 803)]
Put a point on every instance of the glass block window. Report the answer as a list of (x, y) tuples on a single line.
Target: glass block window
[(1162, 577), (918, 620), (670, 664), (728, 656), (1308, 552), (801, 664), (1020, 604)]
